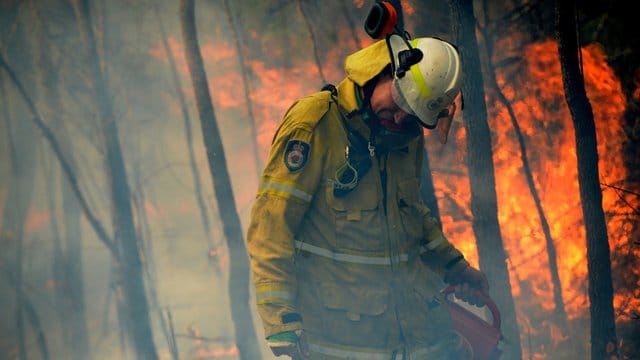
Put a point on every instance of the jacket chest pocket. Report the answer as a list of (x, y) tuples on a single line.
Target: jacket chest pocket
[(412, 209), (357, 219)]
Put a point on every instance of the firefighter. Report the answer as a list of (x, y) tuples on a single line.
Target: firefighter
[(347, 261)]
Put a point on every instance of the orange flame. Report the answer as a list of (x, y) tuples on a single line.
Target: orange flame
[(204, 353), (536, 94)]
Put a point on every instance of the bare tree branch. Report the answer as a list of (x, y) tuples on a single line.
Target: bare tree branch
[(246, 87), (64, 163), (314, 42)]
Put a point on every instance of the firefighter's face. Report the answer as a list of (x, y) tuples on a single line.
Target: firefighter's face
[(390, 115)]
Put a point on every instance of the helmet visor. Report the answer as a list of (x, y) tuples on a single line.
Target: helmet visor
[(399, 99)]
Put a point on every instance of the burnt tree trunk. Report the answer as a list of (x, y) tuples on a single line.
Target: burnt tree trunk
[(346, 11), (313, 39), (195, 172), (134, 308), (239, 276), (67, 260), (484, 204), (552, 253), (603, 328), (22, 148), (23, 164), (245, 84), (65, 164)]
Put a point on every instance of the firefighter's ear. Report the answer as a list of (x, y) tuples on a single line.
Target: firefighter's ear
[(444, 123)]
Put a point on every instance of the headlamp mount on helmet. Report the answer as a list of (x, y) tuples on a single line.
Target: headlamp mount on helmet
[(406, 59), (382, 21)]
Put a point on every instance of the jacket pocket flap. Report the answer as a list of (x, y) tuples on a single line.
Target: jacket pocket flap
[(355, 299)]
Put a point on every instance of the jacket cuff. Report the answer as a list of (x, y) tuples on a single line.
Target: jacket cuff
[(270, 330), (279, 317), (283, 337), (442, 256), (454, 268)]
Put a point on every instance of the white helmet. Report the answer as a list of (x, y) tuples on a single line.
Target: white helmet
[(432, 84)]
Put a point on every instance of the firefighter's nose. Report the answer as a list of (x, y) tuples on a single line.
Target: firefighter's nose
[(401, 118)]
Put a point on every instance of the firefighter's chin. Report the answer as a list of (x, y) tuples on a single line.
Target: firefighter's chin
[(398, 139)]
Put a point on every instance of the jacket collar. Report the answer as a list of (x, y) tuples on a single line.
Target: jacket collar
[(348, 102)]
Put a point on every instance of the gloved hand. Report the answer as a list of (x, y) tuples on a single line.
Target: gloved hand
[(470, 285), (290, 343)]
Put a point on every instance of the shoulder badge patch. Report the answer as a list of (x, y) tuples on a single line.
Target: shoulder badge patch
[(296, 155)]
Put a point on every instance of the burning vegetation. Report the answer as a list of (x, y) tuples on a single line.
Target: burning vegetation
[(534, 90), (548, 272)]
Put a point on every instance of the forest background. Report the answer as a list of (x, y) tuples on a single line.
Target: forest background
[(105, 102)]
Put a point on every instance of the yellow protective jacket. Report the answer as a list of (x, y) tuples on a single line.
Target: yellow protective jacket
[(361, 273)]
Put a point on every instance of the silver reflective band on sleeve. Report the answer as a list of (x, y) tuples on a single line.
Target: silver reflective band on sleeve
[(280, 187), (356, 259), (285, 295), (434, 243)]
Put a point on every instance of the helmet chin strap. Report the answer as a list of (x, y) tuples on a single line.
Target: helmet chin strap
[(364, 110)]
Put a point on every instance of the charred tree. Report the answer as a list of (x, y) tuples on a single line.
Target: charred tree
[(29, 311), (73, 274), (34, 319), (67, 257), (23, 164), (350, 23), (245, 84), (57, 260), (484, 207), (239, 276), (23, 148), (22, 151), (604, 344), (134, 309), (552, 254), (64, 163), (612, 25), (195, 172), (314, 42)]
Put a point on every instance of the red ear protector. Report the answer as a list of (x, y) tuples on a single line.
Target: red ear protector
[(381, 23)]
